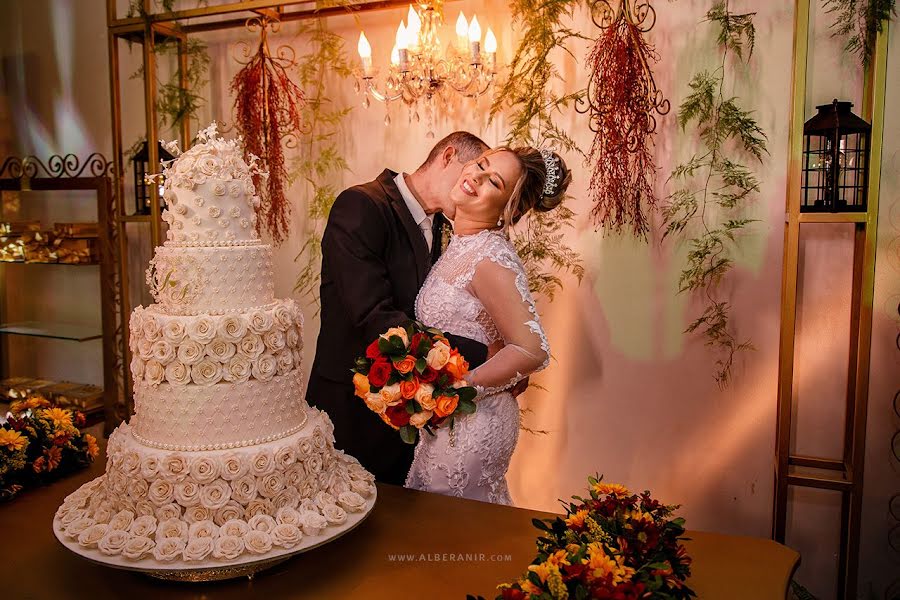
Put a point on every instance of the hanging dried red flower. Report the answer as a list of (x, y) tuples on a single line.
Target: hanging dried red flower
[(267, 112), (622, 98)]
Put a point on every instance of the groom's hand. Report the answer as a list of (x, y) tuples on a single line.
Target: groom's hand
[(520, 387)]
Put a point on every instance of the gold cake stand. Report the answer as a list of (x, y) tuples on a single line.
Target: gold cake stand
[(214, 570)]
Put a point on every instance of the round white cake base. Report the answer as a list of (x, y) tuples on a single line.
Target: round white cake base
[(245, 565)]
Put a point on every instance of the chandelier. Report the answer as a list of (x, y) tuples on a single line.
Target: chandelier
[(421, 71)]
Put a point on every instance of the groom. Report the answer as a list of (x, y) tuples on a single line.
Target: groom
[(381, 240)]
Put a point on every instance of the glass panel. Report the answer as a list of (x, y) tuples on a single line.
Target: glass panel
[(60, 331)]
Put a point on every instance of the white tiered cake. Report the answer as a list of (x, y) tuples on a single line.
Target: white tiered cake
[(223, 463)]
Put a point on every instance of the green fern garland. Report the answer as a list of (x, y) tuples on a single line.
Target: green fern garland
[(860, 21), (713, 186), (529, 102)]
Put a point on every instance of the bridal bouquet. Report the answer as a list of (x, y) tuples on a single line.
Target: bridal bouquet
[(413, 379), (611, 545)]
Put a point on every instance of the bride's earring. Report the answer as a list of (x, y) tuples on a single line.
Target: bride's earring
[(500, 222)]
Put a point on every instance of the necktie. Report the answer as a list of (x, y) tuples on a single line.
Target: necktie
[(425, 226)]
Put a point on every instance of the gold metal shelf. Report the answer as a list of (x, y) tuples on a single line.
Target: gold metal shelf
[(22, 262), (135, 218), (59, 331), (824, 217)]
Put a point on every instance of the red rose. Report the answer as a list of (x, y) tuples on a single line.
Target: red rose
[(380, 373), (414, 343), (513, 594), (429, 375), (397, 415), (372, 352)]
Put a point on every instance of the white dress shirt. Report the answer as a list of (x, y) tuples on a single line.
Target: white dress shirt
[(423, 220)]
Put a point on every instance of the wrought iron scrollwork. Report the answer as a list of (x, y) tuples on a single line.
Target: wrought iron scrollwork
[(57, 166), (641, 15)]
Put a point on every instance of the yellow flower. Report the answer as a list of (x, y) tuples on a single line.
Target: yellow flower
[(59, 417), (12, 440), (530, 588), (638, 515), (602, 564), (558, 559), (577, 519), (37, 402), (92, 448), (611, 489), (542, 570)]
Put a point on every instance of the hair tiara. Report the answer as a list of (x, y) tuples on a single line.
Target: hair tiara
[(551, 163)]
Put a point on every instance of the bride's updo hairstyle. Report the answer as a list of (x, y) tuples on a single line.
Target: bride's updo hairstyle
[(538, 189)]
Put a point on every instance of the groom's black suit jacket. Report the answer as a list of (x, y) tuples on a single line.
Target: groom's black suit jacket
[(374, 260)]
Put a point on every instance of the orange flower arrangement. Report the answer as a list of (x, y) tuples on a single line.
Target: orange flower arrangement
[(38, 443)]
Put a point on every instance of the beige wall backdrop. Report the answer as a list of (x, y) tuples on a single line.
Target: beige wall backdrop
[(628, 395)]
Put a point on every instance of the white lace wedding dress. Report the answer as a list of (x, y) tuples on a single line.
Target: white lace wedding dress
[(479, 289)]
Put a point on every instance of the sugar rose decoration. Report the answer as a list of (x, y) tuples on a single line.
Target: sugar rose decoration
[(414, 380)]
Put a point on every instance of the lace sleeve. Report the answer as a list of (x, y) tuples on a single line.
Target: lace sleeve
[(501, 286)]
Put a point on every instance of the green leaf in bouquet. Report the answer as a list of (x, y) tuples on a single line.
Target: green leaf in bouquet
[(443, 381), (466, 393), (394, 378), (409, 434), (362, 366), (385, 346), (410, 408), (466, 407), (540, 525), (421, 364)]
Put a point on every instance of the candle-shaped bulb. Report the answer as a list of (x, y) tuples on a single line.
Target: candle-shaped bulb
[(395, 56), (365, 54), (402, 44), (462, 32), (363, 47), (490, 46), (474, 30), (475, 41), (415, 26), (490, 42)]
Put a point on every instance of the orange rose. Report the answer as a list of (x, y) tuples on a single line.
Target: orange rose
[(445, 405), (361, 383), (406, 365), (408, 389), (457, 365)]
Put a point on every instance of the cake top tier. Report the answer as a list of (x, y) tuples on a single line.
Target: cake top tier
[(209, 193)]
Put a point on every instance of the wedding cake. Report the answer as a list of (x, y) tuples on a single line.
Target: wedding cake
[(223, 460)]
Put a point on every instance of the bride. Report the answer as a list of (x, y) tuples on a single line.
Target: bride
[(479, 289)]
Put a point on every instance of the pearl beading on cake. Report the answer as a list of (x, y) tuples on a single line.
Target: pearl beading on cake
[(228, 446), (213, 244)]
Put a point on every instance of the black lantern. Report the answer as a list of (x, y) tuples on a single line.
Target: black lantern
[(141, 161), (835, 160)]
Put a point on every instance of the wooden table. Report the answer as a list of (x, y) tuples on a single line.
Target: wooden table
[(413, 545)]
